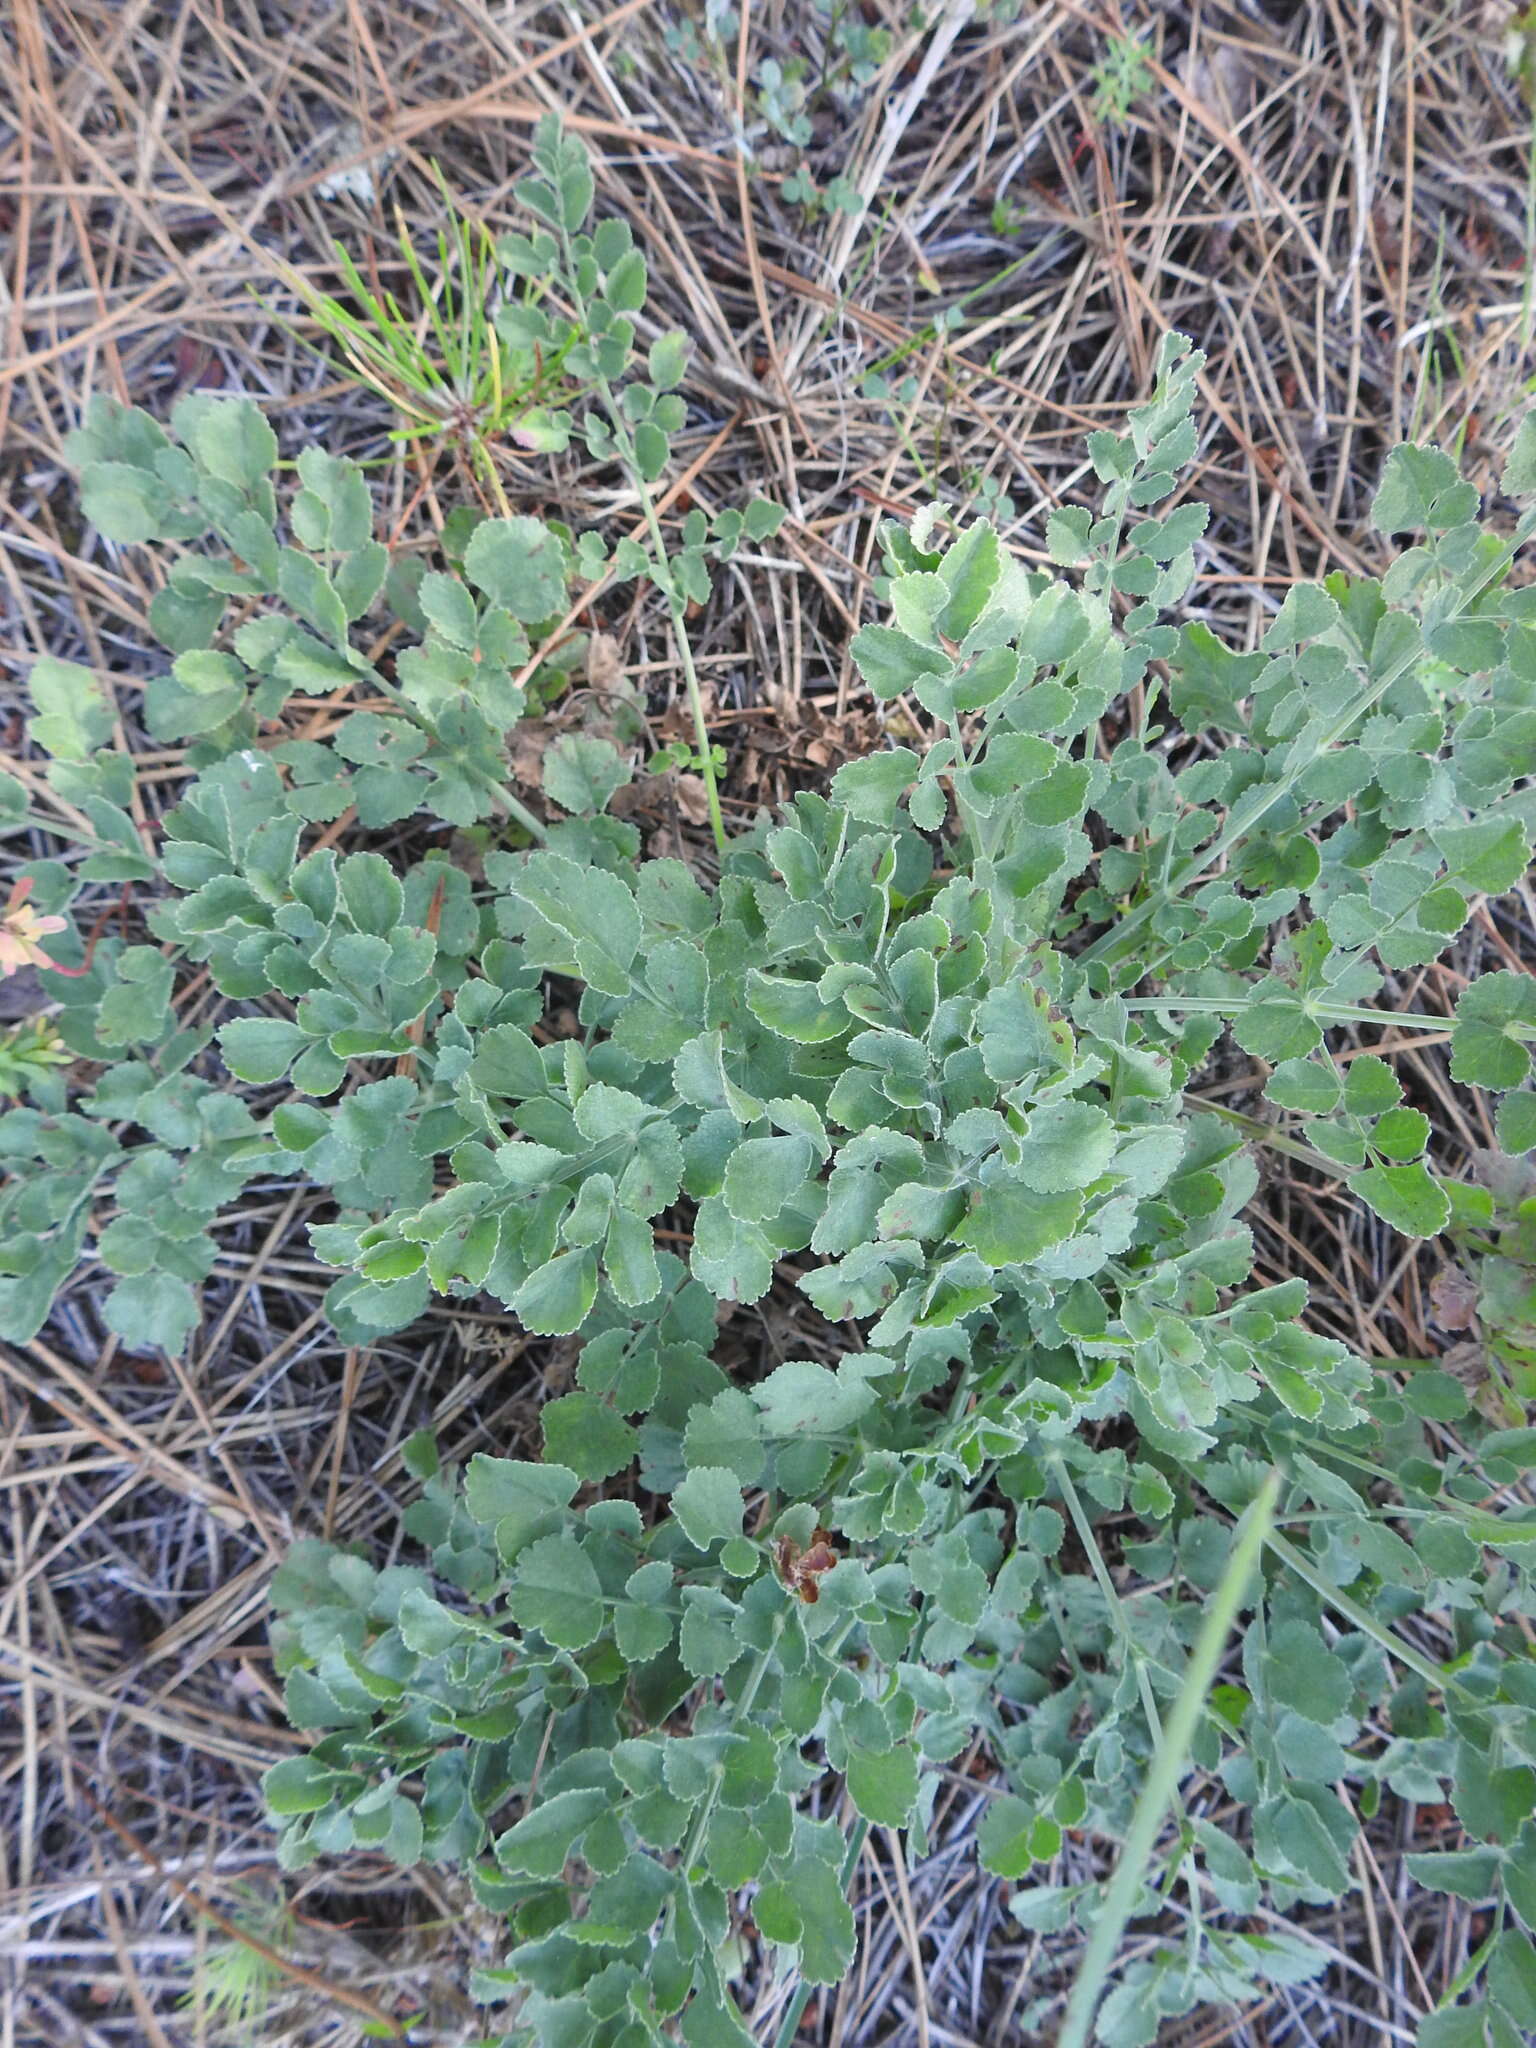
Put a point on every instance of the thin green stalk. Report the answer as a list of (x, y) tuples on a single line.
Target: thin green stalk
[(1324, 1013), (924, 335), (675, 605), (1246, 817), (802, 1998), (34, 821), (743, 1707), (511, 805), (501, 796), (1112, 1599), (661, 571), (1162, 1780), (1363, 1619), (1482, 1528), (1266, 1135)]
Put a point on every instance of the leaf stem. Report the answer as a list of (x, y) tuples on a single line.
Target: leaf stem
[(1363, 1619), (676, 607), (743, 1707), (661, 573), (790, 2025), (1107, 1587), (503, 798), (1322, 1013), (1246, 817)]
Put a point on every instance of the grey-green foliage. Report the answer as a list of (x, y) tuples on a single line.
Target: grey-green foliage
[(264, 603), (1121, 77), (637, 407), (601, 279), (923, 1052)]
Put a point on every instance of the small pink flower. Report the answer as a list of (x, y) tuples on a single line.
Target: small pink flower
[(21, 930)]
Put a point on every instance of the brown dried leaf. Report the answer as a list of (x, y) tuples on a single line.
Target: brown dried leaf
[(604, 664), (530, 742), (1469, 1364), (1454, 1294), (691, 798)]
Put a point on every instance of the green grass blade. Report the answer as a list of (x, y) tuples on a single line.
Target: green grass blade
[(1162, 1780), (427, 296)]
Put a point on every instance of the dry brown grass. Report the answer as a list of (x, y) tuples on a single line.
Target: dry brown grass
[(1331, 195)]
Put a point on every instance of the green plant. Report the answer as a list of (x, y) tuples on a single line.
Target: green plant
[(845, 63), (31, 1054), (926, 1051), (782, 92), (1491, 1292), (1168, 1766), (839, 195), (429, 735), (237, 1981), (1520, 53), (602, 277), (1120, 78), (990, 498), (448, 369), (839, 58)]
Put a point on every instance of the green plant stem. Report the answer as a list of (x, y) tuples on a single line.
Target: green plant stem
[(34, 821), (665, 582), (1363, 1619), (480, 455), (790, 2024), (754, 1682), (1162, 1780), (1266, 1134), (676, 607), (924, 335), (514, 809), (1245, 818), (1112, 1599), (502, 797), (1323, 1013), (701, 737)]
